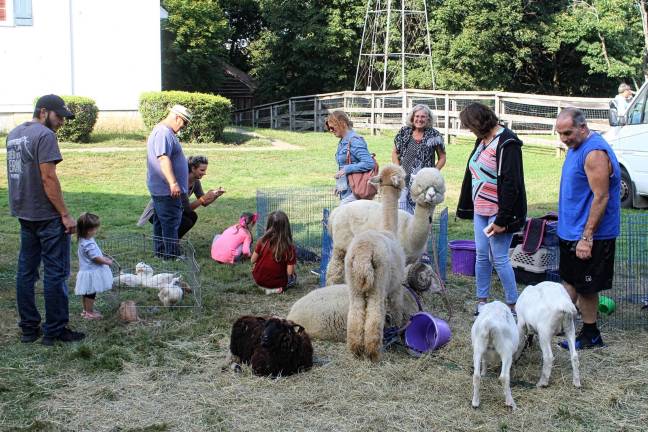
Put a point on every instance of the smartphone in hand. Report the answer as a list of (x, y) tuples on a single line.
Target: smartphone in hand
[(488, 230)]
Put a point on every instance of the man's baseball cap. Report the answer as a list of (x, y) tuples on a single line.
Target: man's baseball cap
[(182, 112), (623, 87), (54, 103)]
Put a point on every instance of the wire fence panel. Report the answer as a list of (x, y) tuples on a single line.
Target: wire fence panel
[(630, 291), (128, 251), (308, 210)]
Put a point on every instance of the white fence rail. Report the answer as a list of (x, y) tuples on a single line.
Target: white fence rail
[(527, 114)]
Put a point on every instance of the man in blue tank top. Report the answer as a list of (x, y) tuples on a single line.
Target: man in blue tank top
[(589, 215)]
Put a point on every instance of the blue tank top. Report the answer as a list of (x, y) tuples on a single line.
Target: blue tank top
[(576, 196)]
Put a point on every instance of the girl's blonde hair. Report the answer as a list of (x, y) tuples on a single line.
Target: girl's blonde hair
[(339, 118), (85, 223), (278, 236), (417, 108)]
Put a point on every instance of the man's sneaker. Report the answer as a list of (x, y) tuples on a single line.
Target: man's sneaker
[(66, 335), (584, 341), (31, 337)]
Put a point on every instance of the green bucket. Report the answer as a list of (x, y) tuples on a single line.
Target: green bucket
[(606, 305)]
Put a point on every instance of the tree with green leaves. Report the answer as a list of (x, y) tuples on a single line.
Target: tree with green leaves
[(245, 24), (193, 45), (307, 46)]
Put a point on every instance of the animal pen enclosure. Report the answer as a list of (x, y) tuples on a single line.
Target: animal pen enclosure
[(129, 251), (308, 209)]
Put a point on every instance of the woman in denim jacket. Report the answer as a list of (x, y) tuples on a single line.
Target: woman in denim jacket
[(342, 127)]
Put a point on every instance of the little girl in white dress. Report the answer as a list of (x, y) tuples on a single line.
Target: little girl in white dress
[(94, 274)]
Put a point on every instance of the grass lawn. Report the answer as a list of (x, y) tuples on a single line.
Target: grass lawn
[(165, 373)]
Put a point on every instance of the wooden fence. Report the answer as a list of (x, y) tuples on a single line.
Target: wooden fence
[(527, 114)]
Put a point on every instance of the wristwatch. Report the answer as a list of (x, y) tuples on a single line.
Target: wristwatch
[(587, 239)]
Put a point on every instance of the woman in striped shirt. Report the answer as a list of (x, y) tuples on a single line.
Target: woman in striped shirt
[(494, 197)]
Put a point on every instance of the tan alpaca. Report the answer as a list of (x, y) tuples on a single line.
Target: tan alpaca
[(428, 190), (374, 272)]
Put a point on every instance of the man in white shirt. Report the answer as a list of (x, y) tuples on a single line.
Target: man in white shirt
[(623, 98)]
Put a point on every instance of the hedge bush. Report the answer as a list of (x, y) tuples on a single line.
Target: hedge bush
[(210, 113), (85, 116)]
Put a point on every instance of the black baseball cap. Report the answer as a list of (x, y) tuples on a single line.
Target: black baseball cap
[(54, 103)]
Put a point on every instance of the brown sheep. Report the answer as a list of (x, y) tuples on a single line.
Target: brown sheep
[(246, 336), (272, 346)]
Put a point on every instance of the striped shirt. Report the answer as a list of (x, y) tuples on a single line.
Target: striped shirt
[(483, 168)]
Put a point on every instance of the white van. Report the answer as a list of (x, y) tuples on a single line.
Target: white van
[(628, 137)]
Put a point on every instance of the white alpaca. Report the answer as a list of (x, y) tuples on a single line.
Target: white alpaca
[(374, 271), (428, 190), (171, 293), (323, 312), (546, 309), (494, 334)]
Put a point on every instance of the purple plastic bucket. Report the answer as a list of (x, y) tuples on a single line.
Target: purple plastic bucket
[(426, 333), (464, 255)]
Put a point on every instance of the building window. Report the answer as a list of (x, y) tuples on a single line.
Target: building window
[(22, 12)]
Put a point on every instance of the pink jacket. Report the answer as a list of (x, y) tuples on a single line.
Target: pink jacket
[(229, 245)]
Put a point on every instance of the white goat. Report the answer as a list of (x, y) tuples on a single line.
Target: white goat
[(546, 309), (493, 334)]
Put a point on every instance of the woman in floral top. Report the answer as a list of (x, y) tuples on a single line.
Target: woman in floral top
[(416, 146)]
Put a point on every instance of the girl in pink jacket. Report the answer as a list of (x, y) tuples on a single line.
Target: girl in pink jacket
[(234, 243)]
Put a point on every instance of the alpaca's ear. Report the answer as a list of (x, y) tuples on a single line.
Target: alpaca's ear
[(375, 180), (398, 180)]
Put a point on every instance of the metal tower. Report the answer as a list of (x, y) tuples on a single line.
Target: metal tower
[(395, 40)]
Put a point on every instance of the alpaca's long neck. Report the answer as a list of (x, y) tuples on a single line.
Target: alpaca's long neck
[(419, 227), (390, 209)]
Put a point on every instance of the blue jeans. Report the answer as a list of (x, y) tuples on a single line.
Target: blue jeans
[(496, 248), (166, 222), (46, 241)]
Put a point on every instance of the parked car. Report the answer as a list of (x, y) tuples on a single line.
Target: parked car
[(628, 137)]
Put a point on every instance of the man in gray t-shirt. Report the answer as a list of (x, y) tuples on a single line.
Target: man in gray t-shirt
[(36, 199), (167, 179)]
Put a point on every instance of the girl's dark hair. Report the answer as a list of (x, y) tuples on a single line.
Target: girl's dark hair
[(246, 218), (85, 223), (479, 119), (278, 236), (196, 161)]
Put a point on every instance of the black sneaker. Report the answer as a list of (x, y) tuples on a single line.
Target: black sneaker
[(31, 337), (584, 341), (66, 335)]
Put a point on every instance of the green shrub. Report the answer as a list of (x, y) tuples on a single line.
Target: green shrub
[(210, 113), (85, 116)]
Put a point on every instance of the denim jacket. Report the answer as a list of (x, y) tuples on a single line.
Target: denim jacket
[(361, 159)]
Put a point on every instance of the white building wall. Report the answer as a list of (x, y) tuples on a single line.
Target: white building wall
[(107, 50)]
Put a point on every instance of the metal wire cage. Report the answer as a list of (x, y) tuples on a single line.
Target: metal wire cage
[(437, 247), (127, 251), (630, 287), (305, 208), (630, 284)]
